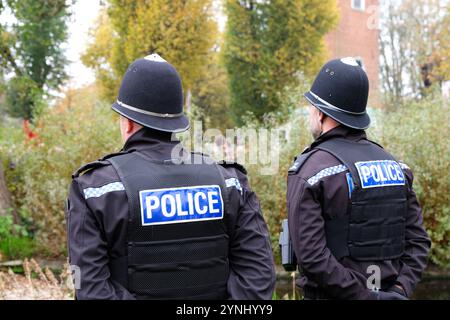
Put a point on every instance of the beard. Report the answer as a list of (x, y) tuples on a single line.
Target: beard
[(315, 125), (315, 130), (316, 134)]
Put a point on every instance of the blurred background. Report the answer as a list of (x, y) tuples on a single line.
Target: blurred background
[(243, 64)]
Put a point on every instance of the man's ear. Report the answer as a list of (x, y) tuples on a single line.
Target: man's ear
[(129, 126), (322, 116)]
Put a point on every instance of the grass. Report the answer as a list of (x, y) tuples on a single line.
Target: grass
[(14, 247), (35, 284)]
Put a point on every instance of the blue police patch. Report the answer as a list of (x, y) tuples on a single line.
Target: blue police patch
[(177, 205), (380, 173), (350, 184)]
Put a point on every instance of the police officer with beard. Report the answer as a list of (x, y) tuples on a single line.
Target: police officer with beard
[(151, 223), (354, 220)]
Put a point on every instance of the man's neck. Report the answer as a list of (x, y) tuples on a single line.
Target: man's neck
[(328, 125)]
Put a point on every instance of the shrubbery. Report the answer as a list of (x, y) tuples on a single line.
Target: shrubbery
[(15, 240), (418, 134), (76, 131), (81, 130)]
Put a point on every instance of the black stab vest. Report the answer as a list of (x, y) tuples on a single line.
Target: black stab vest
[(176, 260), (374, 227)]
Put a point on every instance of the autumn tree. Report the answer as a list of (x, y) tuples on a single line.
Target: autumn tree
[(211, 95), (98, 56), (268, 44), (414, 47), (181, 31), (31, 53)]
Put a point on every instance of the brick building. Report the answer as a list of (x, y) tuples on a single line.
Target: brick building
[(357, 36)]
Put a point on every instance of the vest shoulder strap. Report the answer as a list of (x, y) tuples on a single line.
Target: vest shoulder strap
[(300, 160), (87, 167), (235, 165), (376, 143), (96, 164)]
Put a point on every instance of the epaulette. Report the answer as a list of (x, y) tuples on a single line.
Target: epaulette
[(235, 165), (404, 166), (300, 160), (96, 164)]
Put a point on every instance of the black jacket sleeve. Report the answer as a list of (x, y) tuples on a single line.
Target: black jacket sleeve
[(252, 269), (88, 251), (417, 242)]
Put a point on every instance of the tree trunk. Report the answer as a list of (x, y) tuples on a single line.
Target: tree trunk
[(5, 197)]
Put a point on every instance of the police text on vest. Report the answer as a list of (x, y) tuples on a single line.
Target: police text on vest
[(177, 205), (380, 173)]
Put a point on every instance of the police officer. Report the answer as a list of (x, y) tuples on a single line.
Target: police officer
[(150, 223), (354, 219)]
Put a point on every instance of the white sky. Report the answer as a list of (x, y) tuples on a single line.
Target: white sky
[(84, 14)]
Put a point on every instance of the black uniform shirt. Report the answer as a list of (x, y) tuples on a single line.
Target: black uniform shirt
[(308, 206), (97, 229)]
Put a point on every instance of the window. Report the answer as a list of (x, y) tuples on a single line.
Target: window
[(359, 5)]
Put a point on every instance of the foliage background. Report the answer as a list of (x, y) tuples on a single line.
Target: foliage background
[(78, 131), (416, 134), (31, 53), (269, 46), (251, 75)]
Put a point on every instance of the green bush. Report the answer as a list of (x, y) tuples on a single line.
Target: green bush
[(23, 98), (15, 242), (418, 134), (14, 247), (78, 130), (8, 227)]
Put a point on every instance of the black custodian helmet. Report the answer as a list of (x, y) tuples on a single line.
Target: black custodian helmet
[(151, 94), (341, 91)]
